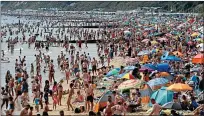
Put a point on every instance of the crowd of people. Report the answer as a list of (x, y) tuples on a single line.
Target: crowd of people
[(83, 72)]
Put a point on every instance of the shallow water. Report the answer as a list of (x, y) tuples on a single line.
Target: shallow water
[(29, 53)]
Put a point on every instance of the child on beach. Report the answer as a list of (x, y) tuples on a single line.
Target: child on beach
[(79, 97), (55, 100)]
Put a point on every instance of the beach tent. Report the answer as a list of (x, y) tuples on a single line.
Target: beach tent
[(102, 102), (146, 92), (162, 96), (199, 58), (163, 67)]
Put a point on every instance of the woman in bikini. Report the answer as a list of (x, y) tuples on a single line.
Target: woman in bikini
[(67, 74), (60, 92)]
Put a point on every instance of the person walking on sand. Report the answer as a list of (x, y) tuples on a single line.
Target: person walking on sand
[(156, 108), (89, 97), (71, 93)]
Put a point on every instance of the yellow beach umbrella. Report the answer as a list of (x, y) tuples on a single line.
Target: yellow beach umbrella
[(194, 34), (154, 42)]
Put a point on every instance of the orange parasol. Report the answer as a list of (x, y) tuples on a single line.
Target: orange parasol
[(179, 87), (164, 74), (177, 53), (199, 58)]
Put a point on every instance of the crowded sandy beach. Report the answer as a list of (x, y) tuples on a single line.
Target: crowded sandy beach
[(138, 65)]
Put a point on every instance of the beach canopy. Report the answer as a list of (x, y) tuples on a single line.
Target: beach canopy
[(133, 83), (199, 58), (162, 96), (102, 102), (157, 83), (172, 105), (179, 87)]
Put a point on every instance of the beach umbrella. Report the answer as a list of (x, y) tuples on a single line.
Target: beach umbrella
[(194, 34), (145, 40), (177, 53), (142, 69), (128, 76), (129, 68), (121, 75), (102, 102), (172, 58), (172, 105), (164, 74), (162, 96), (154, 42), (112, 72), (151, 66), (200, 45), (179, 87), (144, 52), (128, 84), (157, 82), (163, 67), (127, 33), (163, 39), (199, 58), (146, 93), (168, 35)]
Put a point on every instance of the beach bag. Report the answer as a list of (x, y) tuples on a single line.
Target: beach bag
[(201, 98)]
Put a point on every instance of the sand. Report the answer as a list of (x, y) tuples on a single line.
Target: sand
[(117, 62)]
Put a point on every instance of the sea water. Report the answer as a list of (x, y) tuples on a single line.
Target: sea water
[(30, 52)]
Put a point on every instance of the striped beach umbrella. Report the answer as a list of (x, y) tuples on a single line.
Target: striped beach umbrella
[(133, 83)]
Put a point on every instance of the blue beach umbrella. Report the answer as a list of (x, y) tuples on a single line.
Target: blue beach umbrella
[(157, 82), (172, 58), (150, 66), (113, 72), (162, 96), (129, 68)]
